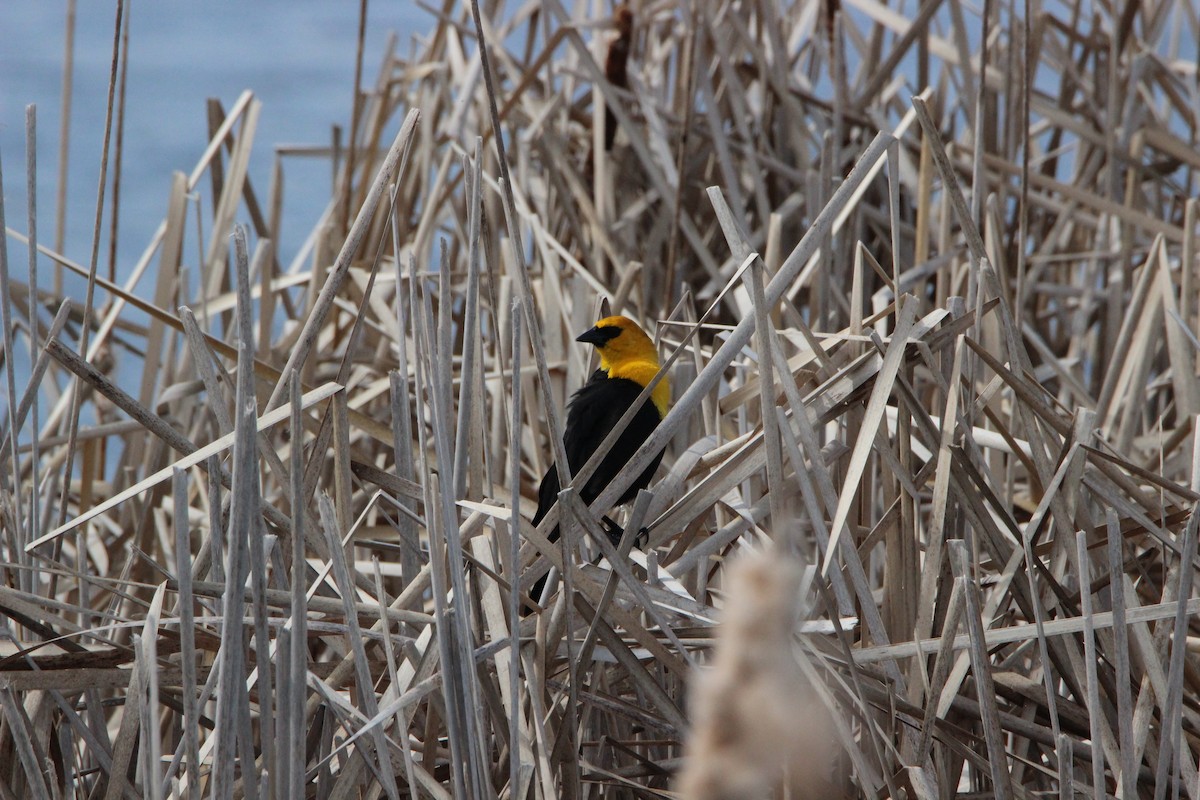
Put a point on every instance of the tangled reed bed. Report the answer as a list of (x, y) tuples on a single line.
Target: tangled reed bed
[(929, 288)]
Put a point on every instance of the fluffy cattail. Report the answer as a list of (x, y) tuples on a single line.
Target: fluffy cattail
[(757, 722)]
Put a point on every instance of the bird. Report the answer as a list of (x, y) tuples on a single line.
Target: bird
[(628, 362)]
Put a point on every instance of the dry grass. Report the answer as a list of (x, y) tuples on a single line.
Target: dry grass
[(949, 368)]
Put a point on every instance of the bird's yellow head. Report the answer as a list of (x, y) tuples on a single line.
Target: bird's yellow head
[(627, 352)]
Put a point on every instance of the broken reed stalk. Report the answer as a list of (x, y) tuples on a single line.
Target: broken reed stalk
[(959, 415)]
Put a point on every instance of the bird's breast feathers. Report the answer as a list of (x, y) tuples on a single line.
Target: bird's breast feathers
[(641, 373)]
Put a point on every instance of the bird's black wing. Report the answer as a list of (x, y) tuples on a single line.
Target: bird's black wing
[(547, 494), (594, 411)]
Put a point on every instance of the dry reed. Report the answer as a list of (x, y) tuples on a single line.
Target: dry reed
[(928, 288)]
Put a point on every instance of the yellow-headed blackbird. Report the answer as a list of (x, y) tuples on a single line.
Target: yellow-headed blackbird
[(628, 362)]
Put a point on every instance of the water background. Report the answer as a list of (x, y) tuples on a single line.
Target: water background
[(297, 56)]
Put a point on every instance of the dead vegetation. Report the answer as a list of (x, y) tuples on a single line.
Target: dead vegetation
[(927, 282)]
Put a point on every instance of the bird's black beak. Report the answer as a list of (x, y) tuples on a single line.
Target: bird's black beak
[(599, 336)]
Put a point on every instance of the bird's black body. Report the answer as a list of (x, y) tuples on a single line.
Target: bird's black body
[(628, 364), (594, 411)]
